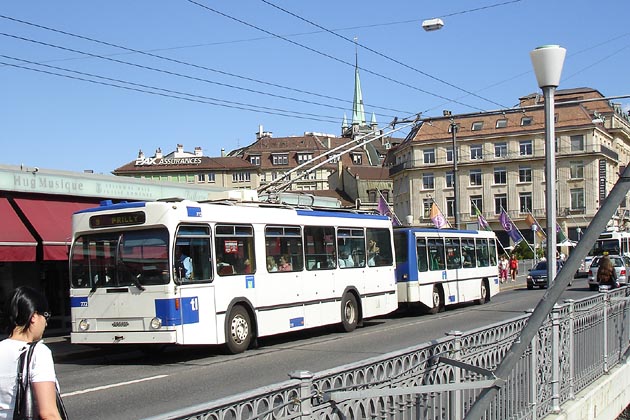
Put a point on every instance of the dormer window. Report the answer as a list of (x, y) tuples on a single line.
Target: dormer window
[(255, 160), (526, 121), (477, 125), (502, 123), (304, 157), (280, 159), (357, 159)]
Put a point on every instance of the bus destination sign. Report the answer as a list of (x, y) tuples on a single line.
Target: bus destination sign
[(119, 219)]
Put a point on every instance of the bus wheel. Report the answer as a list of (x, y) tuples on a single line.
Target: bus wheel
[(349, 312), (437, 299), (239, 330), (485, 293)]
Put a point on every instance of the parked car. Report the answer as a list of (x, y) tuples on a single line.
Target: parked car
[(621, 264), (538, 275)]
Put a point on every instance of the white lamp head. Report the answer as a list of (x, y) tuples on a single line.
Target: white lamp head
[(547, 61)]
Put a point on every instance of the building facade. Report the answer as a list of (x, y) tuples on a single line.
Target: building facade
[(501, 163), (193, 168)]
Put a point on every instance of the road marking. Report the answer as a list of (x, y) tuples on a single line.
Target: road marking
[(100, 388)]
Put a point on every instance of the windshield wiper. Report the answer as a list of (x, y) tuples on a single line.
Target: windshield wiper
[(136, 282)]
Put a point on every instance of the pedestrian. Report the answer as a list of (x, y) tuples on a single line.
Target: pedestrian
[(26, 315), (606, 274), (513, 267), (503, 269)]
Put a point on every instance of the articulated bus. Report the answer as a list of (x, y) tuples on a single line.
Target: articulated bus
[(182, 272), (440, 267)]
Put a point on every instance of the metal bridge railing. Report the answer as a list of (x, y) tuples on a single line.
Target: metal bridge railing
[(578, 343)]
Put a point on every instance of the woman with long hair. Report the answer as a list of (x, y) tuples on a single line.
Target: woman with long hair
[(26, 315), (606, 274)]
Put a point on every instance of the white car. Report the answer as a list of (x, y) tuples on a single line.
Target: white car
[(621, 264)]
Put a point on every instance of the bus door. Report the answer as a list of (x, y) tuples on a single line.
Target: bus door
[(193, 309)]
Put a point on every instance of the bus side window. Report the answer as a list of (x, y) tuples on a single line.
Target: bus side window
[(436, 254), (192, 255), (379, 247), (234, 246), (421, 249), (284, 242)]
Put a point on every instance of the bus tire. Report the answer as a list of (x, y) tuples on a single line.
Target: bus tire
[(485, 293), (349, 312), (437, 297), (238, 330)]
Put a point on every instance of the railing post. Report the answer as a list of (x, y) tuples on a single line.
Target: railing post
[(571, 333), (555, 359), (606, 310), (533, 374), (306, 384), (456, 407)]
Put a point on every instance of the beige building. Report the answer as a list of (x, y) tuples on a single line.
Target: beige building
[(501, 159), (193, 168)]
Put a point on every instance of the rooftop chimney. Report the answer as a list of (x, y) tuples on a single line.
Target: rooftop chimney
[(158, 153), (198, 151), (140, 154)]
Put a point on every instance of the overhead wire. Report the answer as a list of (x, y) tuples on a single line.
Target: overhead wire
[(171, 73), (185, 63), (378, 53), (166, 92), (330, 56)]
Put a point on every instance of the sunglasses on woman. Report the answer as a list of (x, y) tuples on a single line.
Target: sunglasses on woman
[(46, 315)]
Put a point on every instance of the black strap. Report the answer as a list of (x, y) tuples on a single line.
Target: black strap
[(23, 383)]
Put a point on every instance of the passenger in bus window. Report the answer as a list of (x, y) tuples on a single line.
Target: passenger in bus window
[(345, 260), (436, 262), (285, 265), (247, 266), (183, 263), (271, 264), (223, 268), (373, 251)]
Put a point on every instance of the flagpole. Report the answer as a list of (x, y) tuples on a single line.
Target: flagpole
[(391, 210)]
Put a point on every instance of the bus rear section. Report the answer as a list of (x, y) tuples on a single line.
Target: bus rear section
[(439, 267)]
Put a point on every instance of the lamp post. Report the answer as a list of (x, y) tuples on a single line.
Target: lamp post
[(547, 61), (453, 128)]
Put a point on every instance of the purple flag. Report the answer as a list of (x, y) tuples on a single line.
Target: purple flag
[(509, 227), (384, 209)]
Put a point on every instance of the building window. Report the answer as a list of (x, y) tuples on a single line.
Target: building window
[(201, 177), (304, 157), (475, 201), (502, 123), (577, 199), (372, 196), (525, 202), (500, 203), (500, 150), (281, 159), (500, 176), (526, 121), (241, 177), (385, 194), (449, 179), (524, 174), (525, 148), (429, 156), (254, 160), (449, 154), (427, 181), (426, 207), (476, 152), (477, 125), (357, 159), (577, 169), (577, 143), (450, 207), (475, 177)]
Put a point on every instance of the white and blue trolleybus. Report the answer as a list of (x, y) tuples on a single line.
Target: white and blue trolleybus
[(440, 267), (182, 272)]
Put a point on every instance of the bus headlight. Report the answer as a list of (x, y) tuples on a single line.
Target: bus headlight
[(156, 323), (84, 325)]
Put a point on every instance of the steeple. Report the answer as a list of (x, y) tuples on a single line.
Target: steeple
[(344, 124), (358, 113)]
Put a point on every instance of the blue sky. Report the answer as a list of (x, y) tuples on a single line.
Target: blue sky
[(275, 69)]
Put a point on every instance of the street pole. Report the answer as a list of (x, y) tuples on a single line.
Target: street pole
[(550, 181), (455, 187), (534, 229)]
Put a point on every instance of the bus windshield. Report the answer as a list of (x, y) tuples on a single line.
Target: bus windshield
[(131, 258), (610, 246)]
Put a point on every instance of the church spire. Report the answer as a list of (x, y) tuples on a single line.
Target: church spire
[(358, 113)]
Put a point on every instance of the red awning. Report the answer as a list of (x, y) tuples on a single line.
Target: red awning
[(16, 242), (53, 222)]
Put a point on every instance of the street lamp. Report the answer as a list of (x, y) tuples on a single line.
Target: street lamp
[(547, 61), (534, 229), (453, 128)]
